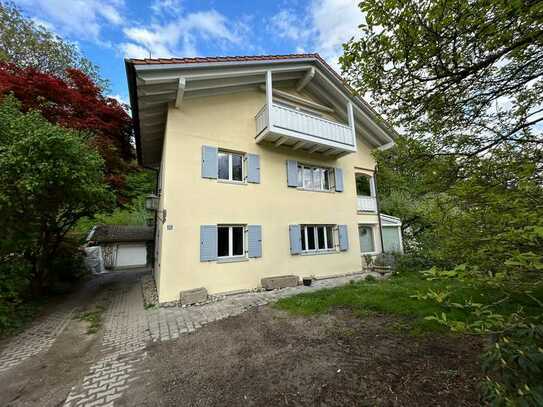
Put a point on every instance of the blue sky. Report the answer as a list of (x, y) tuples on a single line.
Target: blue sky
[(109, 31)]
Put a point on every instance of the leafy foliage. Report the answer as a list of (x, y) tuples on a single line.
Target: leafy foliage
[(463, 80), (466, 73), (30, 45), (49, 178), (76, 103)]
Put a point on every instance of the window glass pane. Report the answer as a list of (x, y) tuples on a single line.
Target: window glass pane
[(308, 180), (311, 238), (237, 167), (329, 237), (391, 239), (300, 171), (222, 236), (304, 244), (320, 237), (366, 239), (363, 185), (325, 175), (317, 178), (237, 240), (223, 166)]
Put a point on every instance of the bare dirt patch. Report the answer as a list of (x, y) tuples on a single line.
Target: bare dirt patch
[(266, 357)]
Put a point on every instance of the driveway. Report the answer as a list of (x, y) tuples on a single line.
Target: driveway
[(56, 362)]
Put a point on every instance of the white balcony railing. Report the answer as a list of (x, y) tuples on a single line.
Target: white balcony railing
[(366, 204), (305, 127), (304, 123)]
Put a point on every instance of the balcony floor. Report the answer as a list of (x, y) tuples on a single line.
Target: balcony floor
[(303, 142)]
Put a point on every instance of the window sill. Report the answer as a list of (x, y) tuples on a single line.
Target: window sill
[(315, 190), (319, 252), (226, 181), (232, 259), (369, 254)]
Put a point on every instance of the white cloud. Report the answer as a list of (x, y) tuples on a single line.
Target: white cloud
[(286, 24), (165, 7), (180, 36), (324, 26), (119, 99), (83, 19)]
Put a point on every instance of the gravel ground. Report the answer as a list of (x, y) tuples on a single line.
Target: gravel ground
[(266, 357)]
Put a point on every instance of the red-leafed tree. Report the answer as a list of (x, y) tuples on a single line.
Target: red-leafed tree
[(76, 103)]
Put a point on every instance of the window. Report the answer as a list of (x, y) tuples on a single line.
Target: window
[(231, 241), (364, 185), (315, 178), (367, 244), (317, 238), (391, 239), (230, 166)]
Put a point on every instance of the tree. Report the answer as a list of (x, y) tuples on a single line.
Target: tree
[(50, 177), (465, 76), (463, 80), (76, 103), (30, 45)]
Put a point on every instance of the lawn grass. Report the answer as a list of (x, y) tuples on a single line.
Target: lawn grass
[(393, 296)]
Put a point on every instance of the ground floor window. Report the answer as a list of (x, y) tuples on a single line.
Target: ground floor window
[(367, 241), (392, 239), (231, 240), (317, 237), (230, 166)]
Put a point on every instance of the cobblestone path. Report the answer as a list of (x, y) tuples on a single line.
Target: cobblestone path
[(36, 339), (125, 337), (128, 328)]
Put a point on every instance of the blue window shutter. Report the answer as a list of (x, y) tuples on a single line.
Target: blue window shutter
[(292, 173), (254, 244), (208, 242), (253, 168), (210, 165), (343, 238), (295, 239), (339, 179)]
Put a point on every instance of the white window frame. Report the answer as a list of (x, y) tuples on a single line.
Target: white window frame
[(373, 229), (303, 167), (329, 248), (371, 181), (231, 241), (230, 167)]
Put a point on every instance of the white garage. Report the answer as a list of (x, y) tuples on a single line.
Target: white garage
[(131, 255), (123, 247)]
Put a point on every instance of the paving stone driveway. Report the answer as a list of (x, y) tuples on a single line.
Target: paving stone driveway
[(128, 327)]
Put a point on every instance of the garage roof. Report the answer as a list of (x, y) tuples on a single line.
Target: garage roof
[(121, 233)]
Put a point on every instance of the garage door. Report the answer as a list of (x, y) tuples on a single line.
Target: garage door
[(131, 255)]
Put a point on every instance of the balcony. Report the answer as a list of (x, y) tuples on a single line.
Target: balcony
[(293, 128), (367, 204)]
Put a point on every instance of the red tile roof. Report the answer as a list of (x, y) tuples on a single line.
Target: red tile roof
[(240, 58), (199, 60)]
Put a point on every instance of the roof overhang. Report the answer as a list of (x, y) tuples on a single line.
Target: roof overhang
[(154, 84)]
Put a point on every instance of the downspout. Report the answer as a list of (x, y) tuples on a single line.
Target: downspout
[(378, 209)]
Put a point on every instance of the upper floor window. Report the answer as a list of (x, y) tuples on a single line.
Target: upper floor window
[(230, 166), (315, 178), (364, 185)]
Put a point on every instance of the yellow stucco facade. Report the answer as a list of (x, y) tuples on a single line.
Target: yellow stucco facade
[(228, 122)]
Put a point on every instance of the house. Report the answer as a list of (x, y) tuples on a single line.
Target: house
[(122, 246), (265, 169)]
